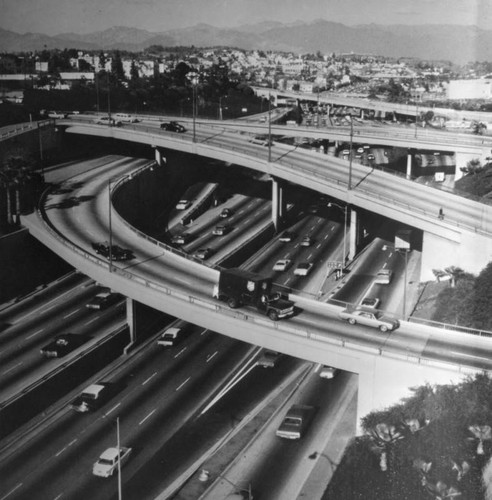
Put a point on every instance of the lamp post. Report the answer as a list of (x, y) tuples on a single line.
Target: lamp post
[(220, 108), (269, 128), (345, 209), (350, 158), (110, 227), (193, 77), (416, 117)]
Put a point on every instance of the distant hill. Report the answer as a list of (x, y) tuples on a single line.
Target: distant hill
[(459, 44)]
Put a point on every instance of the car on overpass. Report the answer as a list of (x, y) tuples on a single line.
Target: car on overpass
[(173, 127), (369, 317)]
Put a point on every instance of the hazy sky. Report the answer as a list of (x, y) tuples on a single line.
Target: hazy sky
[(86, 16)]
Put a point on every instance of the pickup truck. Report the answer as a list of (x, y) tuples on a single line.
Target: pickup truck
[(107, 463)]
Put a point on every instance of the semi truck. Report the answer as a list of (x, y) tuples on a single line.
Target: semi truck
[(238, 287)]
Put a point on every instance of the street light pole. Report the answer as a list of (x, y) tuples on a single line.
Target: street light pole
[(269, 128), (110, 229), (350, 159)]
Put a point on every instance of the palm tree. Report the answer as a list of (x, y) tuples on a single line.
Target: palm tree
[(384, 436), (482, 433)]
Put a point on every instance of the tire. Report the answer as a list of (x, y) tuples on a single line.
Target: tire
[(273, 315), (352, 321), (233, 303), (383, 328)]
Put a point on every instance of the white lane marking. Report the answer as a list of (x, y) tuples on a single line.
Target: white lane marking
[(91, 321), (180, 386), (112, 409), (318, 245), (12, 490), (13, 368), (59, 496), (150, 378), (391, 253), (209, 358), (309, 256), (71, 314), (148, 416), (35, 333), (384, 265), (66, 447), (180, 352)]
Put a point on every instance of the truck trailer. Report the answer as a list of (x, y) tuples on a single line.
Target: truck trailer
[(238, 287)]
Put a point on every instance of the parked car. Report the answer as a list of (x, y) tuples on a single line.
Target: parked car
[(383, 277), (371, 302), (303, 269), (287, 236), (103, 300), (268, 359), (282, 265), (107, 463), (369, 317), (221, 230), (204, 253), (183, 204), (296, 422), (173, 127), (63, 344), (94, 396)]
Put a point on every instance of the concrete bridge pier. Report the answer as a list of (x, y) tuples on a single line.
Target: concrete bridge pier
[(354, 233), (159, 159), (409, 165), (278, 204), (131, 319)]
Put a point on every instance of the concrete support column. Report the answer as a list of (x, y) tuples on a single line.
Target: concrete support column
[(409, 165), (159, 159), (278, 207), (131, 319), (353, 234)]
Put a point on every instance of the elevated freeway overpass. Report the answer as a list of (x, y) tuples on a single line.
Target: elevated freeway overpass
[(461, 237), (72, 218)]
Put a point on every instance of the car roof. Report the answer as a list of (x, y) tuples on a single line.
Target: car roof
[(94, 389), (173, 329), (109, 454)]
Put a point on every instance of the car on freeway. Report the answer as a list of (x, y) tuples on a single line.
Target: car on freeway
[(370, 156), (307, 241), (383, 277), (360, 150), (328, 372), (183, 204), (181, 239), (303, 269), (221, 230), (282, 265), (107, 463), (173, 127), (94, 396), (287, 236), (106, 120), (57, 114), (63, 344), (296, 422), (346, 152), (226, 212), (204, 253), (268, 359), (372, 302), (103, 300), (170, 337), (126, 118), (369, 317)]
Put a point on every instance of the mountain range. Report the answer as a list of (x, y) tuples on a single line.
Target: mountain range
[(458, 44)]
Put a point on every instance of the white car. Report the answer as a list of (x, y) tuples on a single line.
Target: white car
[(369, 317), (169, 337), (183, 204), (282, 265), (384, 277), (303, 269), (107, 463), (328, 372)]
